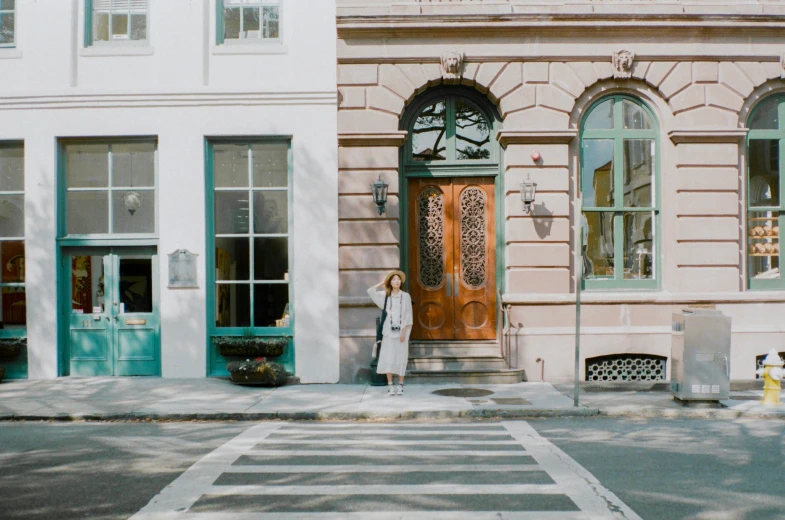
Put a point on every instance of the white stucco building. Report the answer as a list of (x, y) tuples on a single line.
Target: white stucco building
[(134, 130)]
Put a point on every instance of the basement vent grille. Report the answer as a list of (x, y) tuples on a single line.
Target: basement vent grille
[(626, 367), (759, 362)]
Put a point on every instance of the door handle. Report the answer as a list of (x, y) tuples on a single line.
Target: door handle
[(107, 318), (457, 286), (448, 285)]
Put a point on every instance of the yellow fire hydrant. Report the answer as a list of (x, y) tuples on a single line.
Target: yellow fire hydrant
[(772, 375)]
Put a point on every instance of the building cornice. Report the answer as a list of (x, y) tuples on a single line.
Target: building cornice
[(373, 139)]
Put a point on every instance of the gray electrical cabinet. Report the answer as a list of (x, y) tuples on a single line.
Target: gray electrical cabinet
[(700, 355)]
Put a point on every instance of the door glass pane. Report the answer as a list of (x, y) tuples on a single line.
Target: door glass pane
[(429, 142), (12, 216), (138, 27), (87, 165), (232, 305), (472, 132), (7, 28), (766, 117), (230, 162), (87, 284), (136, 285), (763, 245), (601, 117), (232, 23), (7, 4), (635, 118), (12, 168), (231, 212), (271, 258), (133, 211), (270, 165), (100, 27), (86, 212), (638, 246), (12, 256), (638, 172), (119, 26), (14, 303), (764, 178), (270, 210), (269, 303), (232, 259), (598, 173), (133, 165), (251, 22), (598, 245), (271, 22)]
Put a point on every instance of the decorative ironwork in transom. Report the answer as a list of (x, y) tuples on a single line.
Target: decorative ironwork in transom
[(431, 232), (473, 257)]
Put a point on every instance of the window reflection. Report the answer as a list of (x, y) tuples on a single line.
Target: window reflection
[(599, 248), (428, 133), (472, 132), (598, 181), (638, 246)]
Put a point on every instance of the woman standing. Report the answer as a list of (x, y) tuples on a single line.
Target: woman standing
[(395, 333)]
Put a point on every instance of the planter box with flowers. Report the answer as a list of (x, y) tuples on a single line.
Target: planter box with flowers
[(11, 347), (251, 346), (257, 372)]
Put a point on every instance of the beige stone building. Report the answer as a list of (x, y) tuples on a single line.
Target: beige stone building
[(654, 132)]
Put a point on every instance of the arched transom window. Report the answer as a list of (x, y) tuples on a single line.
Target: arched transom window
[(449, 129), (618, 180), (765, 183)]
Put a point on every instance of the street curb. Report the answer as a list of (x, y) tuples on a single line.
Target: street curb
[(694, 414), (532, 413)]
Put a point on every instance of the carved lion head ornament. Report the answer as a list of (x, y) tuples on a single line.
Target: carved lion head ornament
[(452, 65), (622, 64)]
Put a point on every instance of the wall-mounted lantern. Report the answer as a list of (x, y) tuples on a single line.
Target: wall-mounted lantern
[(528, 191), (379, 191)]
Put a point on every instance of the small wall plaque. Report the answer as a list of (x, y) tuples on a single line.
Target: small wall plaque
[(182, 269)]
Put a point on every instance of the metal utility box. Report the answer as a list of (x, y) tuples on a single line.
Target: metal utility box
[(700, 355)]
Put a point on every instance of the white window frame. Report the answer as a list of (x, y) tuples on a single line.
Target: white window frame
[(13, 12), (90, 41), (221, 22)]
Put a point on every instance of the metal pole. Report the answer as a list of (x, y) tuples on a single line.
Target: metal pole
[(578, 282)]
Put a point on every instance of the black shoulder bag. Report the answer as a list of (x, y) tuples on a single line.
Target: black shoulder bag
[(380, 326)]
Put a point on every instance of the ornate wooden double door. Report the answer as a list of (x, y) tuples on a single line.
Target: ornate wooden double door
[(452, 260)]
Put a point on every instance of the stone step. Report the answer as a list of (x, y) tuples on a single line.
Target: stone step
[(471, 377), (456, 363), (454, 348)]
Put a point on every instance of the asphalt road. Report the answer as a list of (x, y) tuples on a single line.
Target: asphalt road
[(659, 469)]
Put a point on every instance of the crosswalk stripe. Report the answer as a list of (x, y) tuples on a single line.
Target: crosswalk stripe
[(391, 442), (360, 431), (383, 468), (375, 515), (427, 489)]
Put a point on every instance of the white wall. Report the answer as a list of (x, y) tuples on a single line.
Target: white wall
[(182, 91)]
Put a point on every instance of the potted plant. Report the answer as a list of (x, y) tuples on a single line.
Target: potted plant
[(251, 346), (11, 347), (257, 371)]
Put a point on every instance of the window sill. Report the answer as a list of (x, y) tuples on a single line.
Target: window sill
[(118, 50), (10, 53), (249, 49)]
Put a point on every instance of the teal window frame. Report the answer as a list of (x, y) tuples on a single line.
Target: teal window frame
[(88, 29), (220, 21), (618, 135), (73, 239), (8, 12), (779, 135)]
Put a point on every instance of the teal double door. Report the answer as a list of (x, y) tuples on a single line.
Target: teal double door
[(110, 303)]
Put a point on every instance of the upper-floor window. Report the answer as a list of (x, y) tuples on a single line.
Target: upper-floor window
[(765, 183), (7, 23), (12, 236), (249, 20), (110, 188), (115, 21), (618, 180)]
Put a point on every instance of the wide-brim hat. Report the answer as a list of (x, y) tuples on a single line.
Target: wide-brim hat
[(393, 273)]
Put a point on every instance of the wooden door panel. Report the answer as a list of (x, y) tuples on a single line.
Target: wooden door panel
[(431, 258), (474, 266)]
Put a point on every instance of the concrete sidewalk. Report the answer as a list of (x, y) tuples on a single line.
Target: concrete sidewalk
[(152, 398)]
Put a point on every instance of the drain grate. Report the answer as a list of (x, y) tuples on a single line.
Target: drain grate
[(510, 400), (463, 392), (626, 367)]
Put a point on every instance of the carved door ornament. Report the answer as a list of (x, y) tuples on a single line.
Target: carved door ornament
[(431, 232), (452, 66), (473, 237), (622, 64)]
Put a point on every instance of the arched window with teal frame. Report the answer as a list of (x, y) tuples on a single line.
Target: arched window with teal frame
[(620, 214), (765, 183)]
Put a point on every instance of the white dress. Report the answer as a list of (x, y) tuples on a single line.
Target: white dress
[(395, 353)]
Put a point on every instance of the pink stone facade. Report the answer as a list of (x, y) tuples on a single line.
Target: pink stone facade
[(699, 77)]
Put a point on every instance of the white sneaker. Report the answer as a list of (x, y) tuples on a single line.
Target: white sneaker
[(390, 390), (399, 390)]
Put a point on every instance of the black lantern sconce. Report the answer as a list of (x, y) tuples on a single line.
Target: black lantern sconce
[(379, 190), (528, 192)]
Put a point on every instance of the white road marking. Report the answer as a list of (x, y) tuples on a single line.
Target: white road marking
[(381, 515), (372, 452), (387, 468), (387, 489)]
